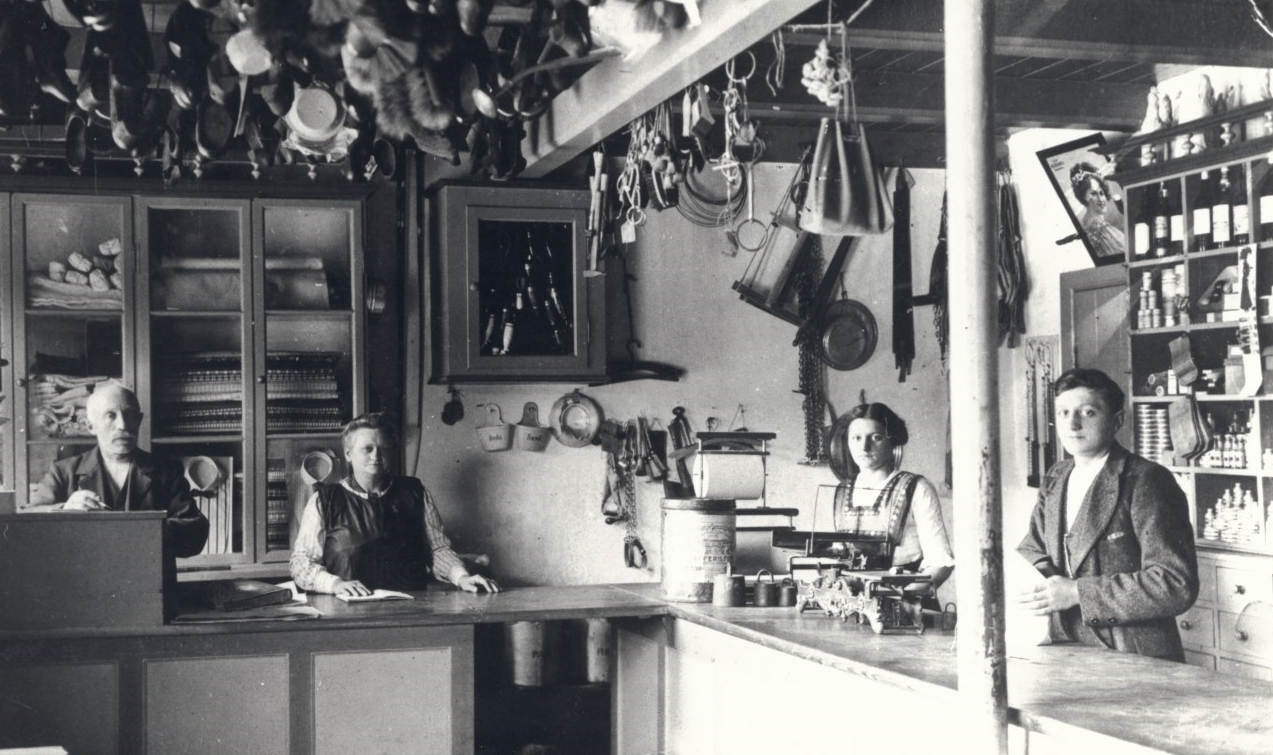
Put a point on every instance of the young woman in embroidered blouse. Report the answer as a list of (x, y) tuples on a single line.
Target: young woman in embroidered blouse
[(879, 499)]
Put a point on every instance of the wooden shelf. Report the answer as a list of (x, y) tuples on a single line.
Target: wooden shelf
[(1205, 160), (1221, 472), (54, 312), (195, 313), (1219, 545), (174, 439), (1244, 113)]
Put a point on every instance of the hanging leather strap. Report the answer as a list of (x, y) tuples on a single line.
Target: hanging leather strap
[(1013, 285), (903, 307)]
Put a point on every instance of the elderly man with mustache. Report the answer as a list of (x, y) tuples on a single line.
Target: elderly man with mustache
[(119, 476)]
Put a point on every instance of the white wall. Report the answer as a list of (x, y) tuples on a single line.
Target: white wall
[(1043, 221), (538, 514)]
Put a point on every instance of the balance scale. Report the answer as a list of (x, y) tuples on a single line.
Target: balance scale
[(890, 600)]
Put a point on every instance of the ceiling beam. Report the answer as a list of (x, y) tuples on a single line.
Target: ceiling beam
[(1137, 31), (615, 91), (919, 98)]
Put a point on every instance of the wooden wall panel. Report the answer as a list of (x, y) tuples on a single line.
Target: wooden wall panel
[(352, 713), (210, 706), (75, 705)]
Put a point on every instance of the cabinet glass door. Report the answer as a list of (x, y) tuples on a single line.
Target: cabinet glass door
[(196, 355), (6, 358), (71, 283), (309, 296)]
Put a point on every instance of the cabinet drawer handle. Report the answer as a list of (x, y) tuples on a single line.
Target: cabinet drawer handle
[(1239, 590), (22, 382), (1186, 624), (1241, 635), (260, 379)]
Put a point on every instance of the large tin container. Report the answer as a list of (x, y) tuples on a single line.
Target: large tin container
[(699, 536)]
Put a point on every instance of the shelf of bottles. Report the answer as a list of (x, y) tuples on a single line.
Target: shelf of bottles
[(1188, 233)]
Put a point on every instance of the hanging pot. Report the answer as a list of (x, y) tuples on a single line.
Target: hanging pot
[(847, 335), (576, 419)]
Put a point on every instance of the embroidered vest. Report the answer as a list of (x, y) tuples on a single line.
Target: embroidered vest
[(877, 527)]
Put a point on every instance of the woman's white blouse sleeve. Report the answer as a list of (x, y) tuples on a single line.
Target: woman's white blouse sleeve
[(926, 508), (307, 554)]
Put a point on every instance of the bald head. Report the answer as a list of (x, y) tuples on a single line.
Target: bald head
[(114, 415)]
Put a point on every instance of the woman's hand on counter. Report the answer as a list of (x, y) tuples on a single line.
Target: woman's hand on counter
[(349, 587), (472, 583)]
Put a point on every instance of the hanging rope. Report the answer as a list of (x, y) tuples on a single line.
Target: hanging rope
[(777, 69)]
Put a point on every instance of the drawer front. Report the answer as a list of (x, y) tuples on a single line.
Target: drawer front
[(1197, 628), (1249, 632), (1201, 660), (1240, 668), (1206, 581), (1239, 587)]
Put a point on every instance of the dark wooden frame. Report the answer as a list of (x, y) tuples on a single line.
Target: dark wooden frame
[(1057, 162)]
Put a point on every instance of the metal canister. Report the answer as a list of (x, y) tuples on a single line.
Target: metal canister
[(766, 591), (532, 650), (698, 544), (727, 590), (598, 646)]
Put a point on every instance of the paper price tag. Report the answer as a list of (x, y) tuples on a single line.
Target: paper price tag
[(627, 232)]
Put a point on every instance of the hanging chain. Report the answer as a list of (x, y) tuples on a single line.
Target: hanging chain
[(813, 373)]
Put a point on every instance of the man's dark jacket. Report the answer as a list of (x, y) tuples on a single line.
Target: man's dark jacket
[(155, 484), (1131, 550)]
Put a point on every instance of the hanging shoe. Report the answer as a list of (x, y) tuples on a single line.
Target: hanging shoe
[(77, 154), (46, 47)]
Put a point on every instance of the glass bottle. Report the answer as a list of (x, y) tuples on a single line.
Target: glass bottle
[(1222, 211), (1241, 208), (1176, 221), (1265, 194), (1202, 214), (1142, 230), (1161, 215)]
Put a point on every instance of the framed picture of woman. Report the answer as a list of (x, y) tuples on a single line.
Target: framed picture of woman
[(1078, 171)]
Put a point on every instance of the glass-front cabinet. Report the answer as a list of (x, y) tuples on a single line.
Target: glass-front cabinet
[(69, 280), (196, 329), (308, 381), (6, 373), (238, 322), (515, 298)]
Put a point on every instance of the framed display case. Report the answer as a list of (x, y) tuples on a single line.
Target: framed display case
[(512, 298)]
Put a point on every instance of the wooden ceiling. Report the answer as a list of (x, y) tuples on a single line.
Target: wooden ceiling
[(1058, 63), (1061, 63)]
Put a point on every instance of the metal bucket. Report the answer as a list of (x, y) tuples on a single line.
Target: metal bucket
[(699, 537)]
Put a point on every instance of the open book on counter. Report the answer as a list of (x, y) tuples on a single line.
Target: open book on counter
[(376, 595)]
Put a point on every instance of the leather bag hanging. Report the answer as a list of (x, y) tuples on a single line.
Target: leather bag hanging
[(846, 195)]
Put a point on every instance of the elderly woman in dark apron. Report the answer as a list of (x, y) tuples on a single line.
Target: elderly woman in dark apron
[(896, 513), (374, 529)]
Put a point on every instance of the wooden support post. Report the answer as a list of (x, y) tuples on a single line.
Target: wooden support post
[(974, 367)]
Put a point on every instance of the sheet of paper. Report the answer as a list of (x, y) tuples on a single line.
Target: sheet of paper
[(376, 595)]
